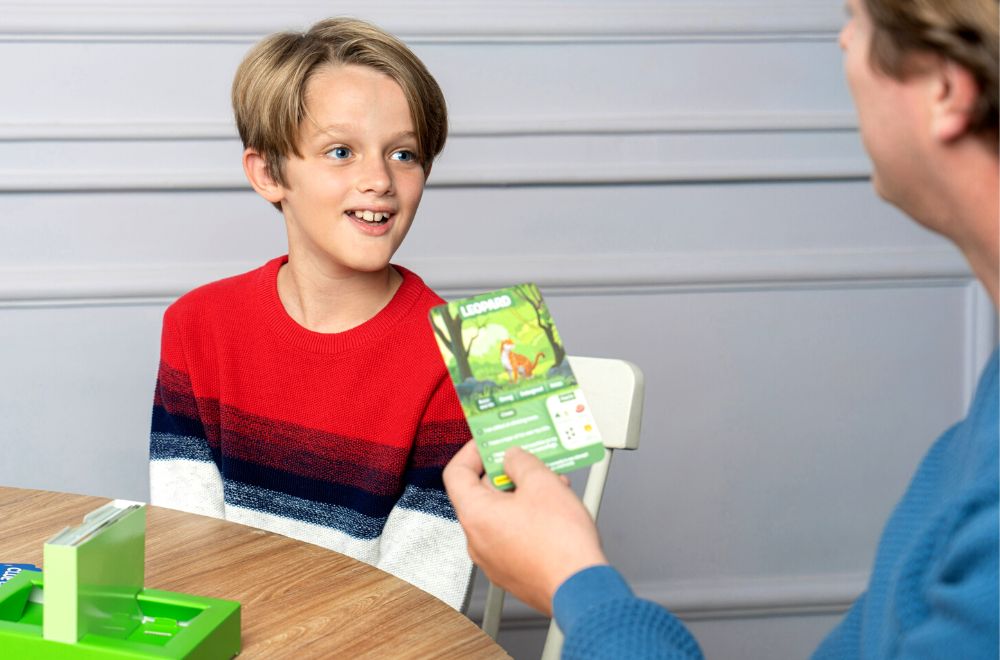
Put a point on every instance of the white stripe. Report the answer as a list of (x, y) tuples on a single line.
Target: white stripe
[(428, 552), (192, 486), (425, 550)]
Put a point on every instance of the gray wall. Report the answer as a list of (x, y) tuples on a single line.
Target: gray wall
[(685, 182)]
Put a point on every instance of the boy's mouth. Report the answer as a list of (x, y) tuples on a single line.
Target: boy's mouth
[(371, 217)]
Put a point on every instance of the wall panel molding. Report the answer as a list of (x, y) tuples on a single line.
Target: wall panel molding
[(598, 273), (519, 20), (570, 124), (725, 598), (99, 157), (228, 179)]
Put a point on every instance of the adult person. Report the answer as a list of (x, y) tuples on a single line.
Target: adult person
[(923, 75)]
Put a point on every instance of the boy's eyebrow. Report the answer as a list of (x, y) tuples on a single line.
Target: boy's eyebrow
[(339, 129), (330, 128)]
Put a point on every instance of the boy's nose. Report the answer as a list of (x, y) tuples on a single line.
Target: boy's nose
[(374, 176)]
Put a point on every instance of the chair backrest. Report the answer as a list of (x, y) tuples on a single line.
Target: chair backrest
[(614, 390)]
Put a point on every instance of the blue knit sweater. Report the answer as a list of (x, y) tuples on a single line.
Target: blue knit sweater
[(933, 589)]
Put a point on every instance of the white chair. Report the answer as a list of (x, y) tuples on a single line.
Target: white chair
[(614, 390)]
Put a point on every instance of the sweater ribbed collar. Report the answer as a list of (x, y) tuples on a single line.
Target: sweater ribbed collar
[(290, 332)]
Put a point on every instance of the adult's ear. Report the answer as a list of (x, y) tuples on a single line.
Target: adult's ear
[(259, 175), (954, 95)]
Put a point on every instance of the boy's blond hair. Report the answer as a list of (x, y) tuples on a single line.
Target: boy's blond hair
[(270, 86)]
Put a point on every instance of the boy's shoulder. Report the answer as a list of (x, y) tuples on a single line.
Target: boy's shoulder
[(424, 296), (231, 293)]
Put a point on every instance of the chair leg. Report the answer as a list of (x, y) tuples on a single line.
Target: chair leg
[(594, 490), (493, 610), (553, 642)]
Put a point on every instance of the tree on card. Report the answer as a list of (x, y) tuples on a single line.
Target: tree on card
[(452, 338), (533, 296)]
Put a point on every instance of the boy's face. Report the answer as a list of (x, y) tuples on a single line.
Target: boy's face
[(350, 199)]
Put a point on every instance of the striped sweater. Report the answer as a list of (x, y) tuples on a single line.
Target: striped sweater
[(335, 439)]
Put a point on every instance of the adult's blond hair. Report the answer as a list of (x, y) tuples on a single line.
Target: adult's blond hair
[(963, 31), (270, 86)]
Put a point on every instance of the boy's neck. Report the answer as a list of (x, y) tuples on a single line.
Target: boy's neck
[(324, 302)]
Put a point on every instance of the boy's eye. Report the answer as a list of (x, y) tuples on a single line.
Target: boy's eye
[(339, 153), (404, 155)]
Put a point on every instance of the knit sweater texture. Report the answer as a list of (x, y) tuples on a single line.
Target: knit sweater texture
[(932, 593), (336, 439)]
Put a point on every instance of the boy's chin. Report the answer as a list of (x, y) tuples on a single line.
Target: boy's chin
[(375, 267), (352, 267)]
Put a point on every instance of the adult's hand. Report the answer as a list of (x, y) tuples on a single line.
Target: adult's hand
[(530, 540)]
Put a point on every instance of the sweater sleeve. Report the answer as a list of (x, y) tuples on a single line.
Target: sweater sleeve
[(601, 618), (953, 611), (422, 541), (183, 468)]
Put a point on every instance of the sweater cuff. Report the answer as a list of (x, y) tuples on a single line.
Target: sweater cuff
[(586, 589)]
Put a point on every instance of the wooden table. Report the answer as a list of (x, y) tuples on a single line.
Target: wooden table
[(298, 600)]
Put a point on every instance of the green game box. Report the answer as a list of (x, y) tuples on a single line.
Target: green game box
[(89, 602)]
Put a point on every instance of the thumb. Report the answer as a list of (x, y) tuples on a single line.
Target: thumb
[(520, 465), (463, 470)]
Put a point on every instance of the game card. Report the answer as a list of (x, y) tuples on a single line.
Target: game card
[(509, 367)]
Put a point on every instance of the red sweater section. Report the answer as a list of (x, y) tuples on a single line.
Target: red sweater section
[(356, 408)]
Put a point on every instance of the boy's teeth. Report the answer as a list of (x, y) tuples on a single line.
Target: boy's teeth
[(370, 216)]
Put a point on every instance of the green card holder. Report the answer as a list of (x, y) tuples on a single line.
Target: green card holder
[(94, 606)]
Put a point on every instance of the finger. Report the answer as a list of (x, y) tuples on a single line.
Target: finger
[(463, 471), (565, 480), (520, 465)]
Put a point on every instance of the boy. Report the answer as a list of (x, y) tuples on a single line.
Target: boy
[(308, 397)]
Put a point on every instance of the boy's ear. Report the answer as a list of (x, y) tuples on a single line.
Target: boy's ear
[(954, 96), (255, 167)]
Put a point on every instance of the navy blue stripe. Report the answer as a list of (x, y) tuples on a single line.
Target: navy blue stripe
[(164, 422), (428, 477), (165, 446), (325, 514), (433, 502), (314, 490)]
